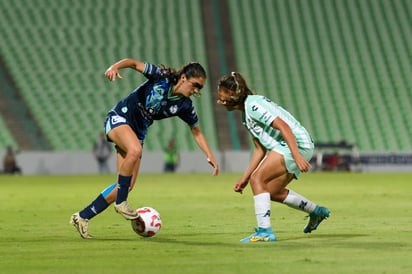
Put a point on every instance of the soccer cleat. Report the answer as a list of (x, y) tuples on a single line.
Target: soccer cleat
[(82, 225), (124, 209), (315, 218), (261, 235)]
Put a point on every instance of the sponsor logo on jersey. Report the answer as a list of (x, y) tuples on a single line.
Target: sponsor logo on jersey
[(252, 125), (145, 113)]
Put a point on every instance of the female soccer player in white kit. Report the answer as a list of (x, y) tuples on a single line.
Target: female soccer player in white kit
[(283, 148)]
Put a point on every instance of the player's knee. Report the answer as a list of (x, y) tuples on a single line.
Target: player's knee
[(134, 154), (255, 179), (277, 196)]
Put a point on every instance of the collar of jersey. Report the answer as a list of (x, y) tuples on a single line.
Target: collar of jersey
[(173, 97)]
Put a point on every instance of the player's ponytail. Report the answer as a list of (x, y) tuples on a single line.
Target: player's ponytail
[(237, 89)]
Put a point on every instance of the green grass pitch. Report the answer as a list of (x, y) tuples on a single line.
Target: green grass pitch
[(369, 230)]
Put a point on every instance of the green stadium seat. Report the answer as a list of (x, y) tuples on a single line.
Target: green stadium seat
[(67, 47), (336, 65)]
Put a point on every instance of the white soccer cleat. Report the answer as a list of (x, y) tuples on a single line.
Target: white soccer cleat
[(82, 225), (124, 209)]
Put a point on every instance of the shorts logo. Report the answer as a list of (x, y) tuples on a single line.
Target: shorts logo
[(117, 119), (124, 109)]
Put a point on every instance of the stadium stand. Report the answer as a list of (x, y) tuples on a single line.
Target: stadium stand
[(57, 52), (6, 137), (340, 66)]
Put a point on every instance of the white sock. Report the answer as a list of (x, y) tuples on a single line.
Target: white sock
[(299, 202), (262, 209)]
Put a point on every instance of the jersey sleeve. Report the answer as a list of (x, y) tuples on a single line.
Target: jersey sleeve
[(188, 114), (262, 110), (152, 72)]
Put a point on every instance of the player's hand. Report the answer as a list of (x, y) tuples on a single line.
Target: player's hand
[(302, 163), (240, 186), (215, 166), (112, 73)]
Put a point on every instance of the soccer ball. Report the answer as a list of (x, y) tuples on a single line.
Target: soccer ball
[(149, 222)]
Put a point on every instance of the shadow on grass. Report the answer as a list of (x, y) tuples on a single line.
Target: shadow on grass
[(323, 236), (189, 239), (230, 240)]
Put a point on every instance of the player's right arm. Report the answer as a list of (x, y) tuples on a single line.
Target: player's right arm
[(202, 143), (113, 71), (290, 140), (258, 155)]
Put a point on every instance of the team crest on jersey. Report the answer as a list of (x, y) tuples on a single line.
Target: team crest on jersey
[(173, 109)]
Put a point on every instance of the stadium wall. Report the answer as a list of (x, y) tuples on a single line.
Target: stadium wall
[(33, 163), (53, 163)]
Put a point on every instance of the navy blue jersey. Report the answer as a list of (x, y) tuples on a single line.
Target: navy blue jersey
[(153, 100)]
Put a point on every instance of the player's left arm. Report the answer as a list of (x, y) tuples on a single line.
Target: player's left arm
[(290, 140), (202, 143)]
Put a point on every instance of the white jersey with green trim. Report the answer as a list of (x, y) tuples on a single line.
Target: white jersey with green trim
[(259, 115)]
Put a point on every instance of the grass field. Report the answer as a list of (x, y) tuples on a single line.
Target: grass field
[(203, 220)]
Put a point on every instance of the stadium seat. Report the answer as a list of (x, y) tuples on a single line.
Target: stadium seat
[(338, 66), (65, 49), (6, 137), (341, 67)]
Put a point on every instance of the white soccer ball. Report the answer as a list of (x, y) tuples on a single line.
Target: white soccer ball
[(149, 222)]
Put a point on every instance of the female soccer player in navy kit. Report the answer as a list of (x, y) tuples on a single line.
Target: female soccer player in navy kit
[(165, 93), (283, 148)]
